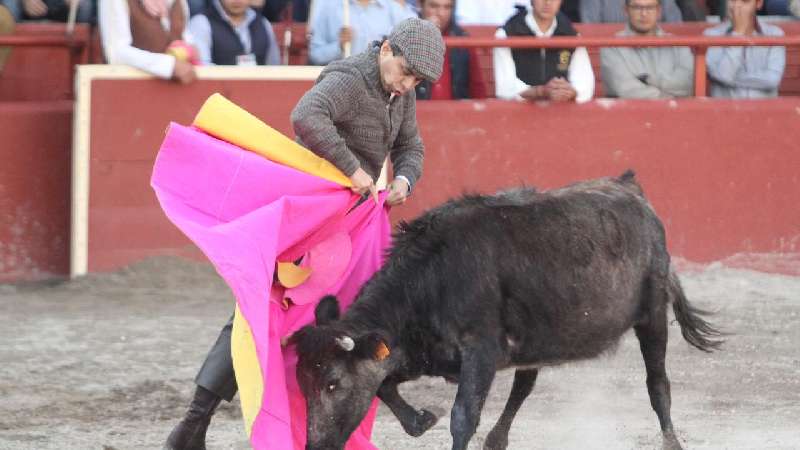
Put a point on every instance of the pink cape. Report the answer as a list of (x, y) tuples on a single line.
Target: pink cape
[(245, 213)]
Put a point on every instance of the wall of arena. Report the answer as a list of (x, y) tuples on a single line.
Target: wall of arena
[(723, 175)]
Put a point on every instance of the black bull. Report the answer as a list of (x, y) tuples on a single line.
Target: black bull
[(520, 279)]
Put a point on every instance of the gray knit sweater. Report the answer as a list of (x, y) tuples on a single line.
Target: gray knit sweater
[(347, 119)]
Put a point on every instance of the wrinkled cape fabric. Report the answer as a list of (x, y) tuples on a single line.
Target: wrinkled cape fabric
[(247, 213)]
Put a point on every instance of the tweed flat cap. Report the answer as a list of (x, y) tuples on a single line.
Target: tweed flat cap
[(421, 43)]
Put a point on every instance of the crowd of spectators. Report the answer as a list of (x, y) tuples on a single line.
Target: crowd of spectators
[(168, 38)]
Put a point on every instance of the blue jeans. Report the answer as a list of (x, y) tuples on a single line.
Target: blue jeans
[(56, 10)]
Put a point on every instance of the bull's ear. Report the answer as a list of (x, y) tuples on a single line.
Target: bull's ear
[(327, 310), (374, 346)]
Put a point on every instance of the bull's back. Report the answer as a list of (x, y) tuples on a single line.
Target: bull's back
[(560, 277)]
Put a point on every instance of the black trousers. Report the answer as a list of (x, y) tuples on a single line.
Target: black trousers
[(216, 374)]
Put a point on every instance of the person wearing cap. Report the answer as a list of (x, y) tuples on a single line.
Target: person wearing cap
[(360, 110), (344, 119)]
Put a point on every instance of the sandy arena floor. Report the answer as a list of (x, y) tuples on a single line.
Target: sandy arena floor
[(90, 364)]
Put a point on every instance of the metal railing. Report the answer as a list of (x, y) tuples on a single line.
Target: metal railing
[(698, 44), (75, 47)]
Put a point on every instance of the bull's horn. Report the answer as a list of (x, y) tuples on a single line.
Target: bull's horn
[(346, 342)]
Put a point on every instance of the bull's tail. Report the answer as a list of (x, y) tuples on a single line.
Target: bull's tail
[(696, 330)]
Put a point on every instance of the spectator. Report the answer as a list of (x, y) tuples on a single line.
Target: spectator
[(691, 11), (458, 68), (482, 12), (7, 25), (230, 32), (370, 20), (745, 72), (794, 7), (646, 72), (537, 74), (776, 7), (612, 11), (56, 10), (273, 9), (132, 35), (572, 9)]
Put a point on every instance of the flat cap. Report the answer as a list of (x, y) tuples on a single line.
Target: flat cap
[(421, 43)]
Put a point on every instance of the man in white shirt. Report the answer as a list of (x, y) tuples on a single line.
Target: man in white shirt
[(560, 75), (132, 35)]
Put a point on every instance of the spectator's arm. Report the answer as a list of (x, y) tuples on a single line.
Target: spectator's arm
[(591, 11), (766, 78), (314, 117), (114, 22), (273, 57), (679, 82), (621, 82), (671, 11), (506, 84), (723, 63), (407, 153), (200, 30), (324, 45), (580, 75)]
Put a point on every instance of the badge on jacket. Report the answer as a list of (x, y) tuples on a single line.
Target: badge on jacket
[(246, 60), (563, 60)]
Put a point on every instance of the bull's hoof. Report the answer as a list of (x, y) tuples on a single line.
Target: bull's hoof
[(670, 442), (496, 440), (423, 422)]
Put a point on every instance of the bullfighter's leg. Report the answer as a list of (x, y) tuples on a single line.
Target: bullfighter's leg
[(415, 422), (478, 365), (524, 380), (652, 336), (215, 381)]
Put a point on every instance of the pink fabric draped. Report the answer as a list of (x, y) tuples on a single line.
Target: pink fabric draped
[(245, 213)]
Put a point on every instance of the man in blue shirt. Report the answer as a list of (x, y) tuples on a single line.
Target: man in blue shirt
[(745, 72), (230, 33), (370, 20)]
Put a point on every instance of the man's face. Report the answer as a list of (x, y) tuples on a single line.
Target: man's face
[(235, 7), (438, 11), (396, 76), (744, 6), (545, 10), (643, 15)]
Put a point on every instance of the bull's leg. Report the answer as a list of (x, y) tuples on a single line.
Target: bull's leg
[(524, 381), (653, 344), (475, 380), (413, 421)]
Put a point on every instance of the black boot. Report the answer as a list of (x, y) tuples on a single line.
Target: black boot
[(190, 433)]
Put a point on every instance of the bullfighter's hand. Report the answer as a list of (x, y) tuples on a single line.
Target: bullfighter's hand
[(363, 184), (398, 192)]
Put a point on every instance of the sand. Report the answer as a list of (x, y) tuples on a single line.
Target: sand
[(107, 362)]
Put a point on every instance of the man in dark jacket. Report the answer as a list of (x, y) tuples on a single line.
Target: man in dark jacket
[(230, 33), (456, 81)]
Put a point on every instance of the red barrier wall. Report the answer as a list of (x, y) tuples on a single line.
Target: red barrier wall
[(35, 142), (723, 175)]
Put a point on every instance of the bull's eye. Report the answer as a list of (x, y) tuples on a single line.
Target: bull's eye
[(331, 387)]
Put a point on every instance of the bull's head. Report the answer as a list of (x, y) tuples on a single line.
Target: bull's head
[(339, 375)]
